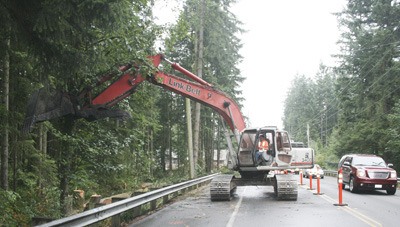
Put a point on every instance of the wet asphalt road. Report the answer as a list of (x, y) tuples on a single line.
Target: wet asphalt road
[(257, 206)]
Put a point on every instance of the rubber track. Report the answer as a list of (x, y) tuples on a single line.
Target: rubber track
[(222, 187), (286, 187)]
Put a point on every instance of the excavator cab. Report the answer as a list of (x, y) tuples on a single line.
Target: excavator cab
[(278, 152)]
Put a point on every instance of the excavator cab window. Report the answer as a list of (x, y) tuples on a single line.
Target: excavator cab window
[(282, 141), (246, 148), (285, 140), (247, 141)]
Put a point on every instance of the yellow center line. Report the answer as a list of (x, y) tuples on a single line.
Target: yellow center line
[(369, 221), (362, 217)]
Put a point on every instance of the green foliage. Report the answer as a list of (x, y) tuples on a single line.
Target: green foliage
[(13, 209), (359, 97), (220, 60), (66, 45), (37, 181), (369, 85), (311, 105), (325, 156), (37, 191), (391, 152)]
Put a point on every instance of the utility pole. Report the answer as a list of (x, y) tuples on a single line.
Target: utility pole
[(326, 125)]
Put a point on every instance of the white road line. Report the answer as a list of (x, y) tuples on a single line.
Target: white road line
[(233, 216)]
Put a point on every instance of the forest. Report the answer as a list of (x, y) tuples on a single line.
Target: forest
[(352, 107)]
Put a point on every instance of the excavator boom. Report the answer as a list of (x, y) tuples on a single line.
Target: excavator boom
[(47, 104)]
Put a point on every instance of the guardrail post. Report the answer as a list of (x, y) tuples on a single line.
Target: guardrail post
[(116, 219), (153, 204), (165, 199), (137, 211), (340, 186)]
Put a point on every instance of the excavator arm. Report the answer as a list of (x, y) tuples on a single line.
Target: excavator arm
[(46, 105), (206, 95), (197, 90)]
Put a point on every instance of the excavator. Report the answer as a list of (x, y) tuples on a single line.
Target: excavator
[(254, 166)]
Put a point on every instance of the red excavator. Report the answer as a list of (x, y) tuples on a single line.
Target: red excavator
[(256, 165)]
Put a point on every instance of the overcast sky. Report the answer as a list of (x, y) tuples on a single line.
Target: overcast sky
[(283, 39)]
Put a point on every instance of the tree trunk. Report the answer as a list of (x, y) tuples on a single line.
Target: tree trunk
[(209, 143), (6, 92), (218, 148), (190, 142), (196, 134), (152, 152), (170, 147), (65, 160), (163, 151), (64, 169)]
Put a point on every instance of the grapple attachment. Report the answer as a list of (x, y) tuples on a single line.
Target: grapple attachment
[(45, 105), (48, 104)]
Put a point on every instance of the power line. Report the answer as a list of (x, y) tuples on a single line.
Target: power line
[(336, 104)]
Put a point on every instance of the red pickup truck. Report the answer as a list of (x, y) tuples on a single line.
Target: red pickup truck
[(367, 172)]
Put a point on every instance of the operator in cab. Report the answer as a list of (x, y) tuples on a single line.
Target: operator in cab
[(262, 148)]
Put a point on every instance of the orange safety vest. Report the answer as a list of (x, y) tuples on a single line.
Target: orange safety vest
[(263, 145)]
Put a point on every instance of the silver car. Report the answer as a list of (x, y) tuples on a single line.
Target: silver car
[(313, 172)]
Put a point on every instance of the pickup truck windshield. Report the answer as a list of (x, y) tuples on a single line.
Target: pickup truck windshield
[(368, 161)]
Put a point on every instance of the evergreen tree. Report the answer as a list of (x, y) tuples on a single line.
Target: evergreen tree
[(368, 86), (64, 45), (220, 58)]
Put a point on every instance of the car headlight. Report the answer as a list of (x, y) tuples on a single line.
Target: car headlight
[(393, 174), (360, 173)]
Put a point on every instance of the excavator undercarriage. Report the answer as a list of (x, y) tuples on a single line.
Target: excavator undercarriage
[(259, 167), (223, 186)]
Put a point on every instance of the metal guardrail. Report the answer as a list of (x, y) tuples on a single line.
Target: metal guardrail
[(114, 209), (101, 213), (331, 173)]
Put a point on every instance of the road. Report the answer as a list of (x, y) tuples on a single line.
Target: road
[(256, 206)]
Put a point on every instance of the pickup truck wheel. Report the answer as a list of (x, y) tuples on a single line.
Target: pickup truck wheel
[(391, 191), (352, 187)]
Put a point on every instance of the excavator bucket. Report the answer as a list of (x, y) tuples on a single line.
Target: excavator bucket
[(46, 104)]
